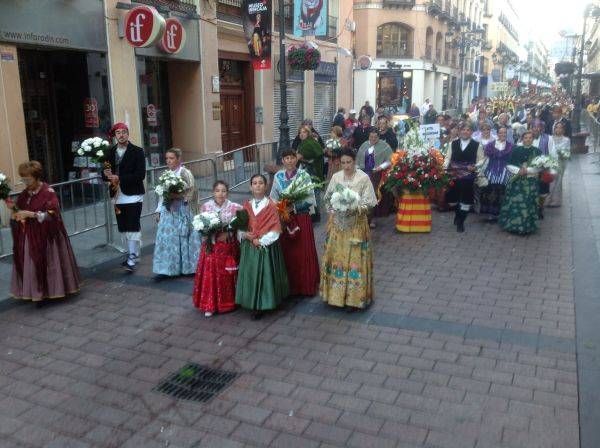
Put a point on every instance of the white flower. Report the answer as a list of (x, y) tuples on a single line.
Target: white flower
[(97, 144), (159, 190), (80, 151), (2, 177), (87, 148), (105, 143), (99, 153)]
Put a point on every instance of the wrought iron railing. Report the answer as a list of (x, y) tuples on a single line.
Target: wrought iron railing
[(185, 6)]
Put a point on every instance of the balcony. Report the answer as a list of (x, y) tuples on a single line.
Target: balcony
[(398, 3), (434, 7), (230, 10), (183, 6)]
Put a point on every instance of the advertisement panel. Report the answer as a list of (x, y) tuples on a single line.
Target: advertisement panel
[(310, 18), (256, 20)]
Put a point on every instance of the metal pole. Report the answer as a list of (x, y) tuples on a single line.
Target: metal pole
[(577, 110), (461, 86), (284, 129)]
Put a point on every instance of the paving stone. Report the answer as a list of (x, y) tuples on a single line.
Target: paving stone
[(327, 433)]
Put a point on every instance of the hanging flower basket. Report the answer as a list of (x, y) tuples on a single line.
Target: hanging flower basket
[(303, 57), (470, 77)]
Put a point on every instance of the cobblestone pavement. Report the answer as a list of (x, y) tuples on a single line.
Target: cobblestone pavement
[(469, 343)]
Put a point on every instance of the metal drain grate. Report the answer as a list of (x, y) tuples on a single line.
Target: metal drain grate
[(195, 382)]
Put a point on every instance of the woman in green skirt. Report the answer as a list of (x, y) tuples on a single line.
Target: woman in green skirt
[(519, 212), (262, 280)]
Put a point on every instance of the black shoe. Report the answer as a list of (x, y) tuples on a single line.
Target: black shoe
[(257, 315), (461, 216), (349, 309), (540, 214), (460, 227), (160, 277), (129, 268)]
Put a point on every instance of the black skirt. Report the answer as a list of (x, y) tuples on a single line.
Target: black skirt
[(128, 217)]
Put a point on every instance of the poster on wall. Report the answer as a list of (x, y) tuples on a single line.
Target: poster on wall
[(90, 113), (256, 19), (310, 18)]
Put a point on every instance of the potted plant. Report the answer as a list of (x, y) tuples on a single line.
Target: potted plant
[(303, 57)]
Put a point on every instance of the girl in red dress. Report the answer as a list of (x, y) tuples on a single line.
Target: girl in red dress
[(216, 274)]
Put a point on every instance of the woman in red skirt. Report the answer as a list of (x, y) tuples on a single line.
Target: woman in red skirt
[(297, 238), (216, 274)]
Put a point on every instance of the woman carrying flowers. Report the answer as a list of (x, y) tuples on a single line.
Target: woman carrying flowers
[(347, 270), (519, 212), (293, 190), (177, 246), (216, 274), (44, 266), (559, 147), (262, 280)]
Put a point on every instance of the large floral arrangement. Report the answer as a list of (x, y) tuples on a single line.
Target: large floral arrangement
[(346, 205), (303, 57), (416, 168), (94, 147), (298, 190), (169, 185), (334, 147)]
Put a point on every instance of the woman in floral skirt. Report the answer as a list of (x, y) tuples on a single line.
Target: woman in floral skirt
[(347, 269)]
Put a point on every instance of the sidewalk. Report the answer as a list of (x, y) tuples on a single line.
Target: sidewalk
[(470, 343)]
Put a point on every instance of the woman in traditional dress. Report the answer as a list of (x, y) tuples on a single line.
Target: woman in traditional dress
[(177, 244), (519, 212), (214, 284), (491, 196), (44, 265), (333, 155), (347, 269), (298, 238), (559, 144), (310, 156), (262, 280)]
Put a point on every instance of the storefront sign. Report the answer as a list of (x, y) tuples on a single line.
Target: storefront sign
[(173, 38), (256, 20), (76, 24), (90, 113), (151, 115), (430, 133), (364, 62), (310, 18), (143, 26)]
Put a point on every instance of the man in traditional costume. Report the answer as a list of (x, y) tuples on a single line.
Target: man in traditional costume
[(126, 176), (557, 117), (461, 161)]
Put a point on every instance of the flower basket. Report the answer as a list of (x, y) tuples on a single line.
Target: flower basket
[(303, 57), (470, 77)]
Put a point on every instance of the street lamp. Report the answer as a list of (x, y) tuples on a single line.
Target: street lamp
[(466, 39), (284, 129), (590, 11)]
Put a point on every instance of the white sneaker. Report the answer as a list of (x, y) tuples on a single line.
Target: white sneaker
[(208, 314)]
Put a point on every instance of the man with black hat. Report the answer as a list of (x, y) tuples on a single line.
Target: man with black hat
[(126, 176)]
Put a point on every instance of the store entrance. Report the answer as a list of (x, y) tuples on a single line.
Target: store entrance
[(57, 88)]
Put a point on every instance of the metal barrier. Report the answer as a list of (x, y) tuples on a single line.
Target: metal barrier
[(85, 204)]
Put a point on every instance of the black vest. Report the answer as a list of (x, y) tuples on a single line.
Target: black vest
[(469, 155)]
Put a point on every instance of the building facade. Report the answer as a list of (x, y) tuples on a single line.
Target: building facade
[(62, 84), (406, 55)]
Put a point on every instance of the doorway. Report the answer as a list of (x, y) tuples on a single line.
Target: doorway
[(55, 88), (237, 103)]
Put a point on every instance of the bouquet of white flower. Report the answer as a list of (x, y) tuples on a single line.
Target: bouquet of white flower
[(94, 147), (208, 224), (564, 154), (334, 147), (169, 184), (344, 200), (544, 163), (4, 186)]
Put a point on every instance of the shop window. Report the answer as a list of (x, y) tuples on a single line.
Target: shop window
[(153, 82), (394, 40), (394, 91)]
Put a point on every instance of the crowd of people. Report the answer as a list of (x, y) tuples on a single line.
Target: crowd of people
[(488, 152)]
